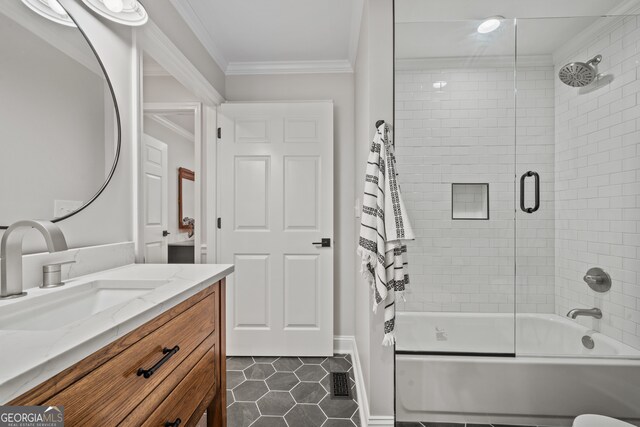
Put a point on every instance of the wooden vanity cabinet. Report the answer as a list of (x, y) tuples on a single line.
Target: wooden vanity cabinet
[(168, 371)]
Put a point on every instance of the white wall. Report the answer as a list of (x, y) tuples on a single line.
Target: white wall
[(374, 101), (597, 185), (363, 132), (181, 154), (464, 133), (339, 89), (166, 89)]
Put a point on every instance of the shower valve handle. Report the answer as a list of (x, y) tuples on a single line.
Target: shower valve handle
[(593, 279)]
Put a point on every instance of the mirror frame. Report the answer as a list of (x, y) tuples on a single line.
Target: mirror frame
[(183, 173), (118, 133)]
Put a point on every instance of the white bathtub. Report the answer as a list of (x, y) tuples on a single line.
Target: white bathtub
[(552, 379)]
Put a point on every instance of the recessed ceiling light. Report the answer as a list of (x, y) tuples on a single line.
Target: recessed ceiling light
[(490, 24), (125, 12), (50, 9), (439, 84)]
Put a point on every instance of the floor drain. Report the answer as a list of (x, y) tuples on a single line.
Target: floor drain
[(340, 385)]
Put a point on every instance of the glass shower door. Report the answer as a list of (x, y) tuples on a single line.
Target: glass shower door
[(455, 147), (579, 203), (577, 245)]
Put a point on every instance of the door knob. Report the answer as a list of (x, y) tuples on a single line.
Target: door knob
[(324, 242), (165, 233)]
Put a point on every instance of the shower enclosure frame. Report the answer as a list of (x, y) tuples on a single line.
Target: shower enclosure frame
[(617, 368)]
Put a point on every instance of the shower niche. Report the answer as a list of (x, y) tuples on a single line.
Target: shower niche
[(469, 201)]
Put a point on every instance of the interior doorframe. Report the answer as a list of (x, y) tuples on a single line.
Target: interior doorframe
[(196, 109), (151, 40)]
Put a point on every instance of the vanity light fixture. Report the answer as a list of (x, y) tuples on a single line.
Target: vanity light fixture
[(490, 24), (50, 9), (57, 7), (115, 6), (125, 12)]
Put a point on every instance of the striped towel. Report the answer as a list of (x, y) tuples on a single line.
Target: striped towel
[(383, 231)]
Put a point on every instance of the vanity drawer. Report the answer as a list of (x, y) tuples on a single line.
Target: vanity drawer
[(186, 397), (169, 385), (109, 393)]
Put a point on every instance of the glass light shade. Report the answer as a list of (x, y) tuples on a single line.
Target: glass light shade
[(125, 12), (115, 6), (51, 10)]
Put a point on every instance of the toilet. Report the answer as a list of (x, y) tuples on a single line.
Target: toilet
[(592, 420)]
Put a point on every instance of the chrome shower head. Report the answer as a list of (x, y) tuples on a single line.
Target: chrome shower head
[(580, 74)]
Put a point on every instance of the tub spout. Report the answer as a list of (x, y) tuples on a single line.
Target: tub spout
[(593, 312)]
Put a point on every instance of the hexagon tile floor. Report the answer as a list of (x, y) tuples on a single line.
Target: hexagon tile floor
[(288, 392)]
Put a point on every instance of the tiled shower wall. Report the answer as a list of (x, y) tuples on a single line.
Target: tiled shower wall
[(464, 133), (598, 195), (589, 163)]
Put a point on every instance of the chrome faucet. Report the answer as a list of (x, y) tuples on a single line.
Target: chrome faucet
[(11, 253), (593, 312)]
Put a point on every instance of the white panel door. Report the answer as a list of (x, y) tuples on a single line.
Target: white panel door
[(156, 204), (276, 200)]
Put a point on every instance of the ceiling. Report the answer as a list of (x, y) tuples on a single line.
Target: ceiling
[(247, 35), (461, 39), (287, 36), (448, 29), (453, 10)]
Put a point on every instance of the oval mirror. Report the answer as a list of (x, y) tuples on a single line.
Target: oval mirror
[(59, 122)]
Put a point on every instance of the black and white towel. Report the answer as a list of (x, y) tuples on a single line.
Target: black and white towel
[(384, 229)]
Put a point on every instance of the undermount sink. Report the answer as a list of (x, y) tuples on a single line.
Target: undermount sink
[(63, 307)]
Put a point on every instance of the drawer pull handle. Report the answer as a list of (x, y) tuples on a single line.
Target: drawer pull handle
[(168, 352), (176, 423)]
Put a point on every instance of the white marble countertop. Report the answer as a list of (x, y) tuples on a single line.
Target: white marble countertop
[(29, 357)]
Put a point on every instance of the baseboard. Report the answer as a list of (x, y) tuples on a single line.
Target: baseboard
[(346, 344), (381, 420)]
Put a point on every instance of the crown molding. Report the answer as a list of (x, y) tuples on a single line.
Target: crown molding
[(458, 62), (174, 127), (193, 21), (289, 67), (187, 13), (161, 48)]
